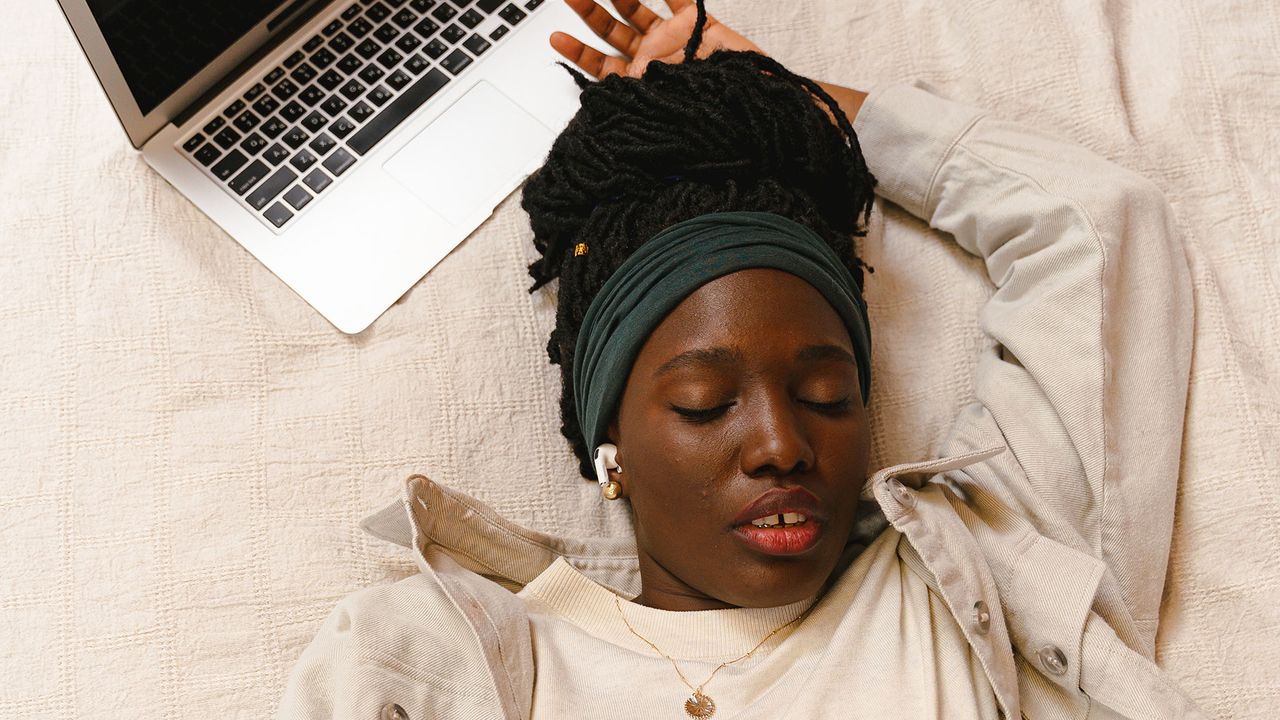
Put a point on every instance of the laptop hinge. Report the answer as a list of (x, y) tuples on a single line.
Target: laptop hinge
[(276, 40)]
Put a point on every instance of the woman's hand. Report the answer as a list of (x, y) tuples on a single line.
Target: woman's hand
[(648, 37)]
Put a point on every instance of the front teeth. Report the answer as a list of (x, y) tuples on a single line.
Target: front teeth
[(782, 519)]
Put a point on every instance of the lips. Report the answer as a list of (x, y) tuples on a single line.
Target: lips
[(781, 521)]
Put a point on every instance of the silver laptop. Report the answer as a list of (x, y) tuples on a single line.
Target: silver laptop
[(347, 145)]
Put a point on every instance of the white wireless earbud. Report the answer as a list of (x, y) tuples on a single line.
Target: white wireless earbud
[(606, 460)]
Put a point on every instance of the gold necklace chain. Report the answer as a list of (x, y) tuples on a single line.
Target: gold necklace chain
[(700, 705)]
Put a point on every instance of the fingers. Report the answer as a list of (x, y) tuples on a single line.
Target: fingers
[(678, 5), (615, 32), (592, 61), (638, 15)]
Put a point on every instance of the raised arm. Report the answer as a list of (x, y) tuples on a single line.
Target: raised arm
[(1092, 315)]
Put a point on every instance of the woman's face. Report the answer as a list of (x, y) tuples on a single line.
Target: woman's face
[(743, 404)]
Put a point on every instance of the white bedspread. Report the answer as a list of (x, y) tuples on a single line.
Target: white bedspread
[(186, 447)]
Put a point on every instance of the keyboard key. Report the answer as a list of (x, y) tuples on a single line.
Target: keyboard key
[(207, 154), (368, 49), (249, 177), (341, 43), (398, 80), (214, 125), (422, 5), (303, 160), (350, 64), (317, 180), (408, 43), (297, 57), (229, 164), (322, 144), (273, 76), (460, 3), (390, 58), (371, 74), (511, 14), (532, 4), (488, 6), (386, 33), (339, 161), (275, 154), (246, 121), (303, 73), (298, 197), (312, 95), (315, 42), (332, 28), (426, 28), (273, 186), (254, 92), (353, 89), (285, 89), (471, 18), (278, 214), (193, 143), (435, 48), (273, 127), (377, 12), (266, 105), (405, 18), (476, 44), (394, 3), (227, 138), (417, 64), (334, 106), (360, 28), (453, 33), (292, 111), (323, 58), (456, 62), (234, 108), (393, 114), (295, 137), (499, 32), (315, 121), (329, 80), (341, 127), (444, 13), (351, 12), (361, 111), (379, 95), (253, 144)]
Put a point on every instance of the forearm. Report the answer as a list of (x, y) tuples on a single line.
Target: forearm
[(850, 101)]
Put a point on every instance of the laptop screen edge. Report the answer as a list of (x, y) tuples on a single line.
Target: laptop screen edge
[(141, 127)]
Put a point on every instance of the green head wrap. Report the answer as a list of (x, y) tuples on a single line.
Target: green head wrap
[(677, 261)]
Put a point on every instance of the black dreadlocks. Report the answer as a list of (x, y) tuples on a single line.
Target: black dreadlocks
[(734, 131)]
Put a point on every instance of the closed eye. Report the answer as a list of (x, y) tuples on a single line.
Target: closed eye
[(702, 414)]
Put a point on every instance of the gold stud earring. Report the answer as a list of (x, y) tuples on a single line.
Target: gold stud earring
[(611, 490)]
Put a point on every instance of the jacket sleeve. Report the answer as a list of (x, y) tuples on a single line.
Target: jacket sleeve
[(387, 646), (1091, 319)]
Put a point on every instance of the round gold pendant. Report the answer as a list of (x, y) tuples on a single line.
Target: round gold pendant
[(700, 706)]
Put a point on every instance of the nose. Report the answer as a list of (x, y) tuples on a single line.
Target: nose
[(774, 441)]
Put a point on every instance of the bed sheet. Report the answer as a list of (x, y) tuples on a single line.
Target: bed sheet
[(186, 448)]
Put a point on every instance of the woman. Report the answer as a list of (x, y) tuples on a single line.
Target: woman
[(698, 213)]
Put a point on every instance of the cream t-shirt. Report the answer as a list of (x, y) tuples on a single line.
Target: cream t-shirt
[(878, 638)]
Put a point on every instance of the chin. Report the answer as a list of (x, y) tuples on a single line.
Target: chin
[(773, 583)]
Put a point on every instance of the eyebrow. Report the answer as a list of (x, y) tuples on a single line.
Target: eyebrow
[(727, 356)]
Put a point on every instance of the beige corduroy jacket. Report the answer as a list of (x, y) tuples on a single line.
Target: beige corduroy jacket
[(1050, 506)]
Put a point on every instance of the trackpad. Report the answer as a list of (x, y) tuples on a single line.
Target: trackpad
[(471, 156)]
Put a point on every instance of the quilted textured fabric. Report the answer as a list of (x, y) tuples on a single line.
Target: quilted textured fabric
[(186, 447)]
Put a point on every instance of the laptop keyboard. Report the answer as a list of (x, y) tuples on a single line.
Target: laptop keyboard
[(309, 120)]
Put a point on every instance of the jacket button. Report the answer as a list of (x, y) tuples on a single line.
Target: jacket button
[(981, 617), (1053, 660), (905, 497), (392, 711)]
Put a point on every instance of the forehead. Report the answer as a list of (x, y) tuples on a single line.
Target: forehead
[(754, 310)]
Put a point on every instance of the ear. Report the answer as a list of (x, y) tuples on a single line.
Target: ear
[(612, 433)]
